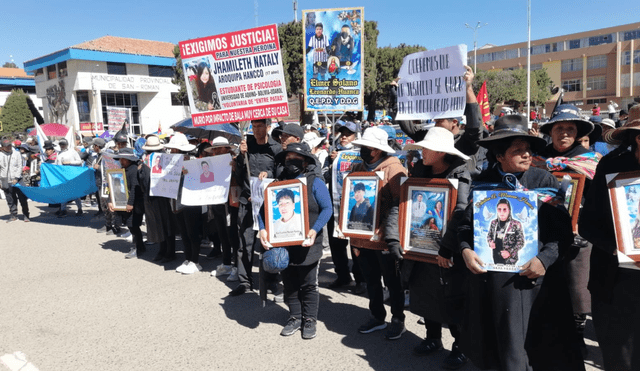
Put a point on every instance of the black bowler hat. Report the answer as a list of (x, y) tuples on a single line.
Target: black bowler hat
[(126, 153), (568, 113), (512, 127)]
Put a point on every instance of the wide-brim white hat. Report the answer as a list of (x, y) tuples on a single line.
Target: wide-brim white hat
[(153, 144), (437, 139), (180, 142), (374, 138), (312, 139)]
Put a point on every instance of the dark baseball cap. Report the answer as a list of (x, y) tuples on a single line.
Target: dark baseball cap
[(349, 125), (294, 130)]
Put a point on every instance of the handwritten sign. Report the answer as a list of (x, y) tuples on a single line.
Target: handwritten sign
[(166, 170), (431, 84), (116, 116)]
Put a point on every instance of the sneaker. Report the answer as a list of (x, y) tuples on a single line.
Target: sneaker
[(371, 326), (26, 219), (103, 229), (241, 289), (279, 298), (97, 214), (360, 288), (421, 321), (206, 243), (233, 277), (427, 346), (111, 231), (132, 254), (12, 219), (181, 268), (222, 270), (309, 329), (293, 325), (455, 360), (63, 214), (191, 268), (339, 283), (127, 236), (395, 330)]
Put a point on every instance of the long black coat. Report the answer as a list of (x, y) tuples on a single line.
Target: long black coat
[(161, 221)]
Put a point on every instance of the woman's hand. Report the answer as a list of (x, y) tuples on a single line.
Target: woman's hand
[(533, 269), (263, 239), (473, 261), (111, 207), (311, 238), (444, 262)]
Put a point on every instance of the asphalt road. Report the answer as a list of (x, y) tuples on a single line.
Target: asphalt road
[(70, 301)]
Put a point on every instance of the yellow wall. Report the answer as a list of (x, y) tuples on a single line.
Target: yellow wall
[(554, 70)]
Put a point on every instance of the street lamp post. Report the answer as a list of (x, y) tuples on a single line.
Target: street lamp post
[(475, 41)]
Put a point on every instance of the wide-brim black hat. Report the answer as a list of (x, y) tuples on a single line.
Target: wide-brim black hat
[(511, 127), (48, 145), (568, 113), (595, 134), (300, 148), (127, 154)]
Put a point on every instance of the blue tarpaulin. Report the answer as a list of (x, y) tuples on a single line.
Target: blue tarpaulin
[(62, 183)]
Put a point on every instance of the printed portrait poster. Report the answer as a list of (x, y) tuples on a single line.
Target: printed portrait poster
[(428, 214), (166, 170), (257, 197), (203, 186), (362, 204), (107, 163), (342, 165), (505, 228), (116, 117), (431, 84), (237, 76), (286, 208), (333, 46), (625, 204)]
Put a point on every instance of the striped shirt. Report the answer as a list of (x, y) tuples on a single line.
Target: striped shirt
[(315, 43)]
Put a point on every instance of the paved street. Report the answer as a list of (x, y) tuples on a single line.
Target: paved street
[(70, 301)]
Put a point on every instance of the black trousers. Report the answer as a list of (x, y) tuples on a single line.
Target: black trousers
[(246, 248), (133, 220), (15, 195), (301, 290), (190, 226), (341, 259), (377, 265), (434, 330), (219, 225)]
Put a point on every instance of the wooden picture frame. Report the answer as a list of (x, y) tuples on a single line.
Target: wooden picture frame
[(360, 214), (421, 221), (118, 190), (624, 196), (573, 197), (288, 197)]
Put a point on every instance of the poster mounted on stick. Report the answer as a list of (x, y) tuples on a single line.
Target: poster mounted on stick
[(116, 117), (431, 84), (333, 61), (203, 187), (237, 76), (166, 170)]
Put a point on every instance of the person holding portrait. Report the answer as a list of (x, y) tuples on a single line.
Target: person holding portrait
[(289, 224)]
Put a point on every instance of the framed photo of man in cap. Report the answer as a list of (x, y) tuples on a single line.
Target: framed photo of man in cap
[(118, 191), (624, 192), (426, 205), (359, 211), (286, 212)]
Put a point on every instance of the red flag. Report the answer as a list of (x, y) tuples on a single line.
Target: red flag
[(483, 103)]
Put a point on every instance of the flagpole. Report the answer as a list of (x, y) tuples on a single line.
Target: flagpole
[(529, 63)]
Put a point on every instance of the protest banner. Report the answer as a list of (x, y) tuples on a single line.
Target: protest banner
[(201, 186), (107, 163), (432, 85), (166, 170), (333, 62), (236, 76), (116, 116)]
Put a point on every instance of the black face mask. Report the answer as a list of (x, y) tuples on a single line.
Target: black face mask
[(365, 154), (294, 167), (345, 34)]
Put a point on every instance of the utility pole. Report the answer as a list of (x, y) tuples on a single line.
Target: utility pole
[(475, 42), (529, 63), (255, 12), (295, 11)]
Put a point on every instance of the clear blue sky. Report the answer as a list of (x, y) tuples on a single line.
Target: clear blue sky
[(30, 29)]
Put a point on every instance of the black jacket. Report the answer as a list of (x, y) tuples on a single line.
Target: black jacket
[(261, 158)]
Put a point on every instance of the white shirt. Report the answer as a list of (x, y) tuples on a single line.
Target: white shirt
[(418, 209), (289, 229), (68, 157)]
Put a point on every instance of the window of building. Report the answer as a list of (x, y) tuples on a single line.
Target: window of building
[(625, 81), (572, 85), (523, 52), (84, 106), (511, 68), (122, 100), (512, 53), (51, 72), (573, 102), (539, 49), (116, 68), (498, 56), (160, 71), (536, 66), (630, 35), (574, 44), (626, 57), (39, 72), (597, 61), (596, 83), (569, 65), (62, 69), (601, 39), (594, 101), (175, 101)]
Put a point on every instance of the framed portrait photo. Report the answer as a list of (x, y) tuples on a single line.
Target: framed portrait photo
[(624, 193), (573, 195), (505, 228), (426, 206), (359, 209), (286, 212), (118, 191)]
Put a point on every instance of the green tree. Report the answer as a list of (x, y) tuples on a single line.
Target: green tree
[(388, 65), (178, 77), (16, 116), (510, 87), (370, 71), (291, 42), (9, 65)]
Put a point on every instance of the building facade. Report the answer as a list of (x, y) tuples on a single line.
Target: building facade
[(79, 84), (16, 78), (592, 67)]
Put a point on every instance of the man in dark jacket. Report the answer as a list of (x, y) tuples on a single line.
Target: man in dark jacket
[(260, 150)]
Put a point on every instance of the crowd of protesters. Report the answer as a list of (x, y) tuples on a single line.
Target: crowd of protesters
[(534, 319)]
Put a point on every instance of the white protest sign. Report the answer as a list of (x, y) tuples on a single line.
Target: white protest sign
[(166, 170), (203, 187), (116, 116), (257, 197), (431, 84)]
